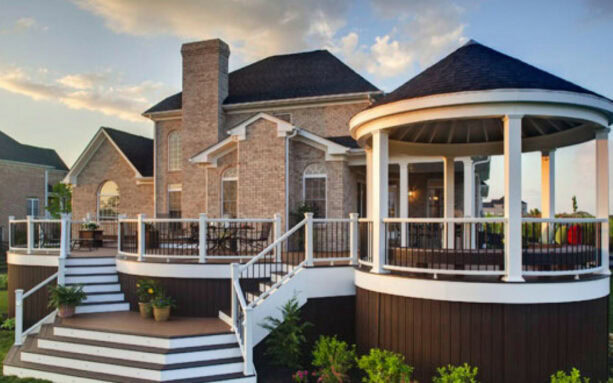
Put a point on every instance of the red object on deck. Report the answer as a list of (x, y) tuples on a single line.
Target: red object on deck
[(574, 235)]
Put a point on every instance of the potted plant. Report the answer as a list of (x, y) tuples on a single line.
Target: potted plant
[(146, 289), (162, 304), (65, 299), (90, 232)]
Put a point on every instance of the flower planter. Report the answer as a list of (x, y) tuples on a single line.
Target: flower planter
[(91, 236), (66, 311), (145, 309), (161, 314)]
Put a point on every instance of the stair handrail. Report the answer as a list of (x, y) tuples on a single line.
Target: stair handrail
[(60, 275)]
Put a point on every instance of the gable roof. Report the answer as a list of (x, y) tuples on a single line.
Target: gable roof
[(298, 75), (12, 150), (138, 149), (475, 67)]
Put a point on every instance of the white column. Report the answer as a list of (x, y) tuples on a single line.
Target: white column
[(202, 239), (141, 236), (353, 238), (548, 192), (308, 239), (469, 203), (512, 199), (380, 160), (404, 200), (449, 200), (602, 192), (369, 184)]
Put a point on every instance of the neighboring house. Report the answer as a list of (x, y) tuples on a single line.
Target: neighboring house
[(27, 175), (260, 140), (495, 207)]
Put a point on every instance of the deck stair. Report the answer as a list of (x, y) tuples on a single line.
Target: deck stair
[(100, 281), (64, 353)]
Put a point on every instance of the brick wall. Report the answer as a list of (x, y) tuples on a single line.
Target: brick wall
[(213, 183), (20, 182), (107, 164), (163, 177)]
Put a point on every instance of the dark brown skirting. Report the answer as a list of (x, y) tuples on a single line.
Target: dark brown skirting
[(507, 342), (194, 297), (25, 277)]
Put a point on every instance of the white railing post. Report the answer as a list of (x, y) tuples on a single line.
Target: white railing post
[(141, 236), (277, 234), (248, 331), (119, 218), (308, 239), (234, 299), (64, 227), (353, 238), (202, 225), (30, 234), (61, 271), (18, 316), (11, 219)]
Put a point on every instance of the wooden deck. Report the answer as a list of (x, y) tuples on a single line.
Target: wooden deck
[(130, 322)]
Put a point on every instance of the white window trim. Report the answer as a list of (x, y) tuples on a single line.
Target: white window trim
[(99, 194), (320, 175), (225, 178), (173, 189), (30, 206), (170, 168)]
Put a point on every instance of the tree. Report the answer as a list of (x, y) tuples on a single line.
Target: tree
[(575, 206), (60, 200)]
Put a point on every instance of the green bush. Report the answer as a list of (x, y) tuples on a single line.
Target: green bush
[(4, 281), (383, 366), (573, 377), (285, 343), (8, 324), (15, 379), (334, 358), (66, 296), (456, 374)]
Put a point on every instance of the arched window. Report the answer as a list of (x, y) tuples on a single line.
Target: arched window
[(229, 193), (174, 151), (314, 189), (108, 201)]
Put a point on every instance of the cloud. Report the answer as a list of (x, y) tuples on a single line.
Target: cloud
[(90, 91), (23, 24), (254, 28)]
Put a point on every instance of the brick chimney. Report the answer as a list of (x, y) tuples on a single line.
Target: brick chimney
[(205, 87)]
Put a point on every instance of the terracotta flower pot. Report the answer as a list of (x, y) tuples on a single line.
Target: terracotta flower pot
[(66, 311), (161, 313), (145, 309)]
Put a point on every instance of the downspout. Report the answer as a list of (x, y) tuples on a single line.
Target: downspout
[(287, 138)]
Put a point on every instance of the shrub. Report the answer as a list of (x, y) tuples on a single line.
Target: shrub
[(161, 300), (146, 289), (65, 296), (8, 324), (284, 344), (456, 374), (16, 379), (574, 377), (383, 366), (303, 376), (334, 358), (4, 281)]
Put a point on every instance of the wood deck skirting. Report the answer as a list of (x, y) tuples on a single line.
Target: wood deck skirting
[(26, 277), (507, 342)]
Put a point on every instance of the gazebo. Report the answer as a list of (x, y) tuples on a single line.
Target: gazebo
[(480, 102)]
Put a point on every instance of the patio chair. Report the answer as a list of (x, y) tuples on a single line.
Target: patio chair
[(259, 242)]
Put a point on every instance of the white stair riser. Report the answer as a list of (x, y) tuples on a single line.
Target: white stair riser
[(104, 298), (90, 261), (102, 288), (51, 376), (92, 279), (102, 308), (133, 372), (91, 270), (139, 356), (148, 341)]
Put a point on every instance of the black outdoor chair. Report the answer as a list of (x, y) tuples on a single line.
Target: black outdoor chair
[(258, 242)]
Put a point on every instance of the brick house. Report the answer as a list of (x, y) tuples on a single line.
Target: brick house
[(260, 140), (27, 173)]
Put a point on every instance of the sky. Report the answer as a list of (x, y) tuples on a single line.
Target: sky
[(69, 67)]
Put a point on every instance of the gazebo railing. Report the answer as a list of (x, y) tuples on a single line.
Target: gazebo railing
[(365, 244), (460, 246), (34, 234), (561, 246)]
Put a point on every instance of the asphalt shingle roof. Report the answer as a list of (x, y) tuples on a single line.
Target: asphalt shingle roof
[(346, 141), (138, 149), (12, 150), (307, 74), (477, 67)]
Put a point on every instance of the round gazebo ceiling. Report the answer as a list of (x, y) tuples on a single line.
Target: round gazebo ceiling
[(463, 98)]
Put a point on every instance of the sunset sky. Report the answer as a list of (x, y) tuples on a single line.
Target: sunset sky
[(69, 67)]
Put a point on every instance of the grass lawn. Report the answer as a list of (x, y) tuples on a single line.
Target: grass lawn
[(611, 307)]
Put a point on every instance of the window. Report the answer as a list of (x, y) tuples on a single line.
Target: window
[(174, 151), (229, 193), (314, 189), (362, 200), (108, 201), (32, 207), (174, 201)]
